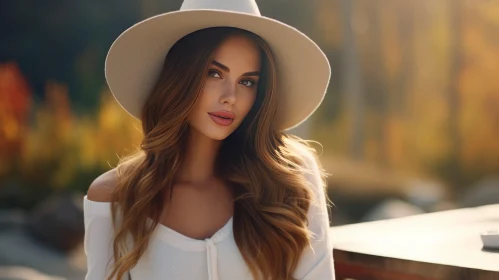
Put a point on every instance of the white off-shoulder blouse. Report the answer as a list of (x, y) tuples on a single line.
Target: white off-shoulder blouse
[(173, 256)]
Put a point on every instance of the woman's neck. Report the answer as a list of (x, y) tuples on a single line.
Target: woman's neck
[(198, 165)]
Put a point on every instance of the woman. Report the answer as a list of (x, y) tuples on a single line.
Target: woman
[(217, 189)]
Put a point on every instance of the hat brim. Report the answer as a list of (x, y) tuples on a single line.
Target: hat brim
[(135, 59)]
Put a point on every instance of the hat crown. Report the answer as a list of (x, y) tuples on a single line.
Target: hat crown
[(241, 6)]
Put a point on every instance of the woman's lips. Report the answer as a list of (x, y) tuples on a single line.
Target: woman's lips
[(222, 118)]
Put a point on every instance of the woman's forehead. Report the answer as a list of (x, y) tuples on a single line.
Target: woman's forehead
[(238, 51)]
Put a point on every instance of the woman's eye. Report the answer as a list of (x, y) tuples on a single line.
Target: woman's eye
[(248, 83), (214, 74)]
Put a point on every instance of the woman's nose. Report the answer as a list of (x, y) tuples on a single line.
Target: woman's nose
[(229, 93)]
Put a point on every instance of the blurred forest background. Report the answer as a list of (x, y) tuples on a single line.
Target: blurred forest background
[(410, 123)]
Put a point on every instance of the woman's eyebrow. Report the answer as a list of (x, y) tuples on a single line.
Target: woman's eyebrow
[(254, 73), (226, 69)]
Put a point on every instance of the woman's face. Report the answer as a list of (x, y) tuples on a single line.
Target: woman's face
[(230, 89)]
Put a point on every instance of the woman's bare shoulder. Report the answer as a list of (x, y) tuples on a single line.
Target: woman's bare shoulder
[(101, 188)]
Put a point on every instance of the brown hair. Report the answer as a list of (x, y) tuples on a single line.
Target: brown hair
[(262, 164)]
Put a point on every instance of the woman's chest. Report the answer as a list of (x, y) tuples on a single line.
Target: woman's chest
[(198, 213)]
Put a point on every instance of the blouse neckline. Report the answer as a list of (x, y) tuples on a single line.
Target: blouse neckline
[(182, 241), (165, 233)]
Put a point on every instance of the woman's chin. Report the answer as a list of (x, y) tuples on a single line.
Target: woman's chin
[(217, 134)]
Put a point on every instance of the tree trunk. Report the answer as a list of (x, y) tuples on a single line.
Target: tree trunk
[(453, 88), (351, 84)]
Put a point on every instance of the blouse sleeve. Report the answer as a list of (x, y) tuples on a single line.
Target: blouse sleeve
[(98, 239), (317, 259)]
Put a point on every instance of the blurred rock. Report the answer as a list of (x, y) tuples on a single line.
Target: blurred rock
[(390, 209), (12, 218), (24, 273), (443, 205), (484, 192), (19, 249), (58, 222), (424, 194)]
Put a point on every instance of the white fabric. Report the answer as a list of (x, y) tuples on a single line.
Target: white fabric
[(211, 255), (173, 256)]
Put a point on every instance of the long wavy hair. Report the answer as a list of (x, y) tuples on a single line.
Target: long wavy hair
[(260, 162)]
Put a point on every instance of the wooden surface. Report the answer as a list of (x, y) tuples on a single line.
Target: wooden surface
[(442, 245)]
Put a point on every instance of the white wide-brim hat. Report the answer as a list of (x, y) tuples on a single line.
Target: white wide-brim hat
[(135, 59)]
